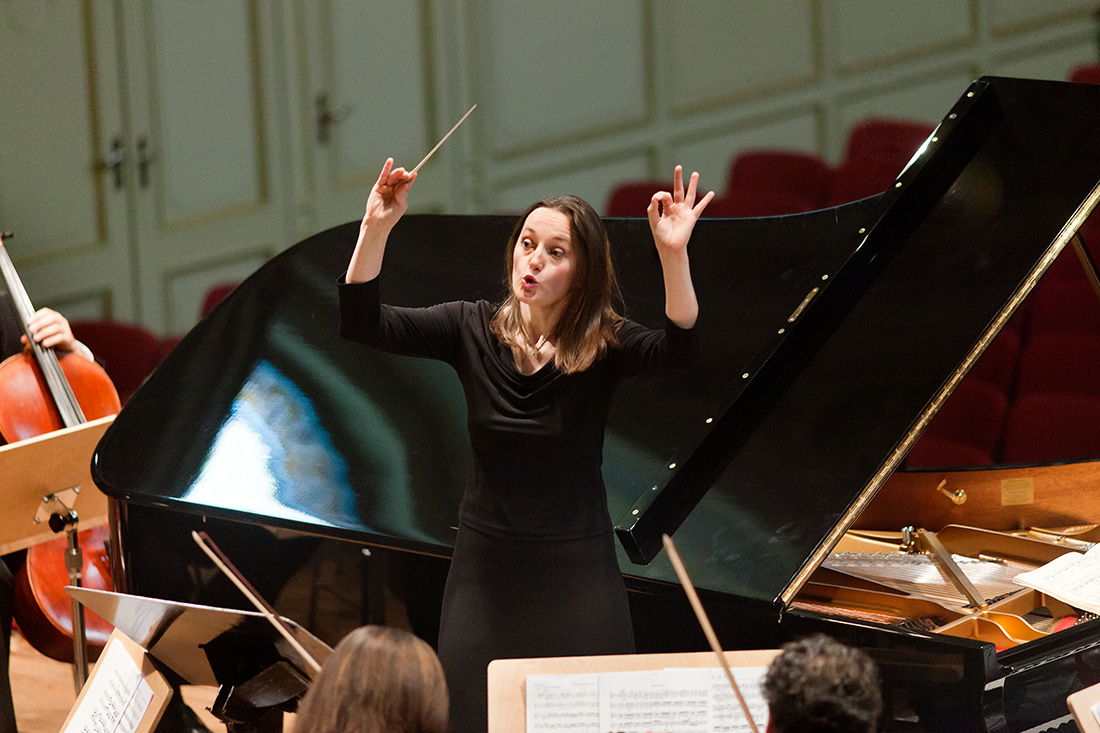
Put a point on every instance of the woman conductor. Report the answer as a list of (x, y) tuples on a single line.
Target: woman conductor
[(534, 571)]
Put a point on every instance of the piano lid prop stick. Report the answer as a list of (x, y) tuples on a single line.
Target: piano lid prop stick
[(708, 630), (432, 151), (214, 552)]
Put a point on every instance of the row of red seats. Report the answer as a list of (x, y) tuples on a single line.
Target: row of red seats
[(774, 182), (771, 182), (1034, 400), (129, 351), (1034, 396)]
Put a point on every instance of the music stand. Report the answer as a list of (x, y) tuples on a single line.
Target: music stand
[(44, 478), (125, 690), (49, 464), (258, 673), (1081, 704)]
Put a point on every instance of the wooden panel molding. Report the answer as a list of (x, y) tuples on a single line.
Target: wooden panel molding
[(711, 152), (720, 53), (871, 33), (591, 179), (539, 80), (1009, 17), (207, 111), (185, 288)]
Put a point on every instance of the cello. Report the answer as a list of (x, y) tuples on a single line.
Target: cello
[(42, 391)]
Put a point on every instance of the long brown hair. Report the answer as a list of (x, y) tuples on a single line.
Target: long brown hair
[(377, 680), (589, 321)]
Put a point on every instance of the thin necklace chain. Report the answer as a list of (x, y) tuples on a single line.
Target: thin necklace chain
[(534, 346)]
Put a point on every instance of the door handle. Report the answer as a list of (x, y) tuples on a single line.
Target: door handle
[(327, 116), (144, 157), (116, 156)]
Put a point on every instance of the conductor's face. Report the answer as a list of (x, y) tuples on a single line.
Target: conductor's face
[(543, 261)]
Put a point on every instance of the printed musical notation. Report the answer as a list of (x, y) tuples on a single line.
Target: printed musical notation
[(116, 698), (1073, 578), (687, 700), (563, 703)]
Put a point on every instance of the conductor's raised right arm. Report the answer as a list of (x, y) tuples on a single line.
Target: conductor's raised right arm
[(387, 202)]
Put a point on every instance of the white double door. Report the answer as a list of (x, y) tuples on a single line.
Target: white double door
[(152, 149)]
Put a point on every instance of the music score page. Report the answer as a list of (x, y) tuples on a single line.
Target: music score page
[(685, 700), (117, 697), (1072, 578)]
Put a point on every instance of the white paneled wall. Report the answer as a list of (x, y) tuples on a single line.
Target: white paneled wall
[(266, 121), (718, 76)]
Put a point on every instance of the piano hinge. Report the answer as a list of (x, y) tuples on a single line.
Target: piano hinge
[(802, 306)]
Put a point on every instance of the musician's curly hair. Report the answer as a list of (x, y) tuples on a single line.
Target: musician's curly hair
[(822, 686)]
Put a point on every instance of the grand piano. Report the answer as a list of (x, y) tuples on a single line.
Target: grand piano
[(331, 474)]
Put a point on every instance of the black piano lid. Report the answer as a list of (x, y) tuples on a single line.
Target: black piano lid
[(262, 414), (998, 190)]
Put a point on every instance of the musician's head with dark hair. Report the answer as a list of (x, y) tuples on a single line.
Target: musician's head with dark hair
[(588, 318), (377, 680), (818, 685)]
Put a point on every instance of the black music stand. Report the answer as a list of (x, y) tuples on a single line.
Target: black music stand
[(258, 673)]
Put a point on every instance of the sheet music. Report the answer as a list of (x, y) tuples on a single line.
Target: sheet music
[(684, 700), (116, 698), (1073, 578), (657, 700), (563, 703), (727, 715)]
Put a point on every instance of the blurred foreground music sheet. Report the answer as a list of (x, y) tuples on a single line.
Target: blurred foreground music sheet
[(117, 696), (687, 700), (563, 703)]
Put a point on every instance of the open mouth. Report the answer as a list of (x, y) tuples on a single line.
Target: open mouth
[(529, 280)]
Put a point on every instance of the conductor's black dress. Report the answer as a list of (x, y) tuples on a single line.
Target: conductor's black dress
[(534, 571)]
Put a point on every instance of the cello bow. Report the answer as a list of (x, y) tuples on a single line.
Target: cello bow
[(214, 552)]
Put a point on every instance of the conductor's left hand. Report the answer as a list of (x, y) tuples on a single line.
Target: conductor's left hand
[(672, 216)]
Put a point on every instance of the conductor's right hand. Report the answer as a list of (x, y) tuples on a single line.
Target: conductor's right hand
[(388, 199), (387, 202)]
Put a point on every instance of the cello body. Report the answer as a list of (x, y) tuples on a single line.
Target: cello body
[(42, 391), (44, 610), (29, 410)]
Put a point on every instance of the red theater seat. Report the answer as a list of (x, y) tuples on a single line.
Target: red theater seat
[(631, 198), (997, 364), (881, 139), (1086, 74), (1045, 428), (932, 451), (128, 351), (967, 429), (803, 176), (878, 149), (750, 202), (215, 295), (1062, 362), (1061, 306)]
